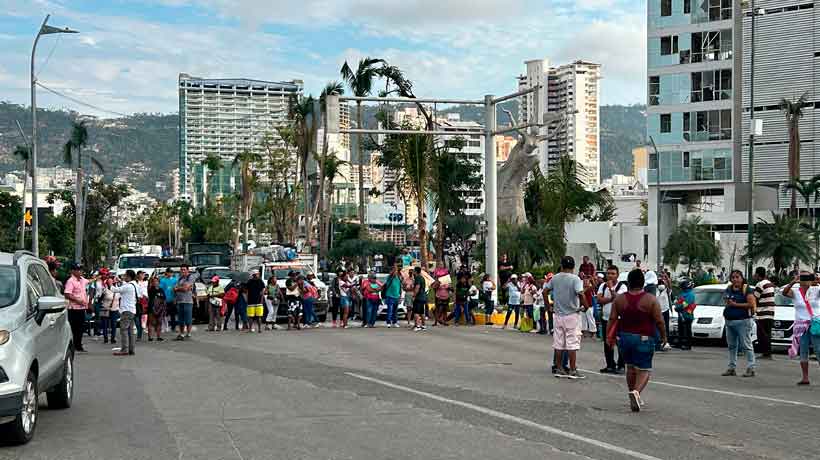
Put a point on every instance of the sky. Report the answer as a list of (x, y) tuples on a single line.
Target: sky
[(129, 54)]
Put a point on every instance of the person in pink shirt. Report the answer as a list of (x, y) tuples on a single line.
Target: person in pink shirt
[(76, 293)]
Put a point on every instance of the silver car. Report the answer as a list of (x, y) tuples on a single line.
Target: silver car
[(36, 349)]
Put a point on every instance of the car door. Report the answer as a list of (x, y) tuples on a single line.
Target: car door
[(48, 332)]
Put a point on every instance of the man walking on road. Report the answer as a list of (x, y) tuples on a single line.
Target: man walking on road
[(764, 293), (167, 283), (607, 293), (568, 294), (392, 294), (77, 295), (184, 298)]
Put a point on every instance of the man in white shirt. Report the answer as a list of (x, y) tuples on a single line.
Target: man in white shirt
[(129, 292), (607, 292)]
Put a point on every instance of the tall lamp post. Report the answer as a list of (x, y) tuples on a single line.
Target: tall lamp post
[(45, 29)]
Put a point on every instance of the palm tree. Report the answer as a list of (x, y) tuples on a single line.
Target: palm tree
[(332, 88), (783, 241), (77, 140), (331, 169), (794, 112), (693, 243), (246, 160), (806, 189), (23, 153), (301, 111), (212, 164), (360, 82)]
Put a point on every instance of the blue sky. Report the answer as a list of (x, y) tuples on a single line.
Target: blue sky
[(129, 53)]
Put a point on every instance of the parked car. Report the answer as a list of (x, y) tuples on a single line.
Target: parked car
[(137, 262), (709, 322), (36, 348)]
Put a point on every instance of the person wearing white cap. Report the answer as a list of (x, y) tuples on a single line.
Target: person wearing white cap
[(513, 300)]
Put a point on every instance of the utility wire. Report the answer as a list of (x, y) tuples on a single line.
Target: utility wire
[(50, 53), (77, 101)]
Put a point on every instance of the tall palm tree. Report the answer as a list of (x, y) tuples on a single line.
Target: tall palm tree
[(360, 82), (806, 189), (301, 112), (794, 112), (23, 153), (212, 164), (783, 241), (77, 140), (246, 161), (332, 88)]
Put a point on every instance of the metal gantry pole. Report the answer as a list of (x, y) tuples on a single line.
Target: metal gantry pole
[(658, 258), (751, 216), (490, 189)]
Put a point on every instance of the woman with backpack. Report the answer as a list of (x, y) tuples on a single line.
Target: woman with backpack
[(231, 298), (806, 329)]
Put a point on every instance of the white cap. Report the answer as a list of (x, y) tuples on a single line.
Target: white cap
[(650, 277)]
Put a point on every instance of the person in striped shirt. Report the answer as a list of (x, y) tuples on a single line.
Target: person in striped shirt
[(764, 293)]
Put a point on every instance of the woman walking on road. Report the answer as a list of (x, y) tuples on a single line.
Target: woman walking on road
[(806, 331), (633, 323), (156, 309)]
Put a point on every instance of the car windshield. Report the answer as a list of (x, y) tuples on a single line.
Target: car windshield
[(9, 285), (709, 297), (137, 262), (206, 259), (223, 273), (781, 300), (282, 273)]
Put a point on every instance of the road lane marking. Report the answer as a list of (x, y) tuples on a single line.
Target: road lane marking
[(510, 418), (711, 390)]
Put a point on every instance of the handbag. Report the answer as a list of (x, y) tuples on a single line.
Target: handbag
[(526, 324), (814, 328)]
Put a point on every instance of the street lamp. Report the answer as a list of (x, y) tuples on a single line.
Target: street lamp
[(45, 29)]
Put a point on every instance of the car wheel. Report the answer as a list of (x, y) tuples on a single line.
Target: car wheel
[(21, 429), (62, 395)]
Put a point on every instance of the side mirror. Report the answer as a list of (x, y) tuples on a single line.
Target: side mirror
[(48, 305)]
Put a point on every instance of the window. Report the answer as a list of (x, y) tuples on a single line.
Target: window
[(711, 125), (666, 7), (685, 159), (653, 161), (666, 123), (687, 126), (687, 6), (46, 282), (654, 90), (712, 85), (712, 46), (669, 45)]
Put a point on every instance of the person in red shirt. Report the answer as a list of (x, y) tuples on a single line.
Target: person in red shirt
[(587, 268), (77, 295)]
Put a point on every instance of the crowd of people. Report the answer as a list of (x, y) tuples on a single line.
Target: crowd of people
[(631, 317)]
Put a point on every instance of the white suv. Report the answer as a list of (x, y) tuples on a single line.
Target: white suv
[(36, 349)]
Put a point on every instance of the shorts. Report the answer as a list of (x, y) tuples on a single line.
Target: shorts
[(807, 340), (567, 334), (489, 307), (295, 307), (419, 306), (255, 311), (637, 350), (185, 314), (344, 302), (408, 300)]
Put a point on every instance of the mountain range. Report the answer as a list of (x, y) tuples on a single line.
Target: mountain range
[(150, 142)]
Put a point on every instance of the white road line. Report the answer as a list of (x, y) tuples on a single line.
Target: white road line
[(511, 418), (711, 390)]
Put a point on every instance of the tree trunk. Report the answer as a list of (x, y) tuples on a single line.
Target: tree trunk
[(440, 235), (78, 210), (328, 214), (360, 156), (423, 252)]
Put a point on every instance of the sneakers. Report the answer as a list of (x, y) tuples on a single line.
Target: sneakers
[(667, 347), (389, 326), (560, 373), (749, 372), (417, 329), (120, 353), (635, 401), (179, 338), (729, 373), (574, 375), (608, 370)]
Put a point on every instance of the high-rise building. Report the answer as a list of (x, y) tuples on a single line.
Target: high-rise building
[(640, 160), (573, 89), (225, 117), (699, 62)]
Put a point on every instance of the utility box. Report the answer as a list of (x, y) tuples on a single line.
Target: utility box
[(757, 127)]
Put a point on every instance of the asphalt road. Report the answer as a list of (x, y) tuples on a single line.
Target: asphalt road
[(448, 393)]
